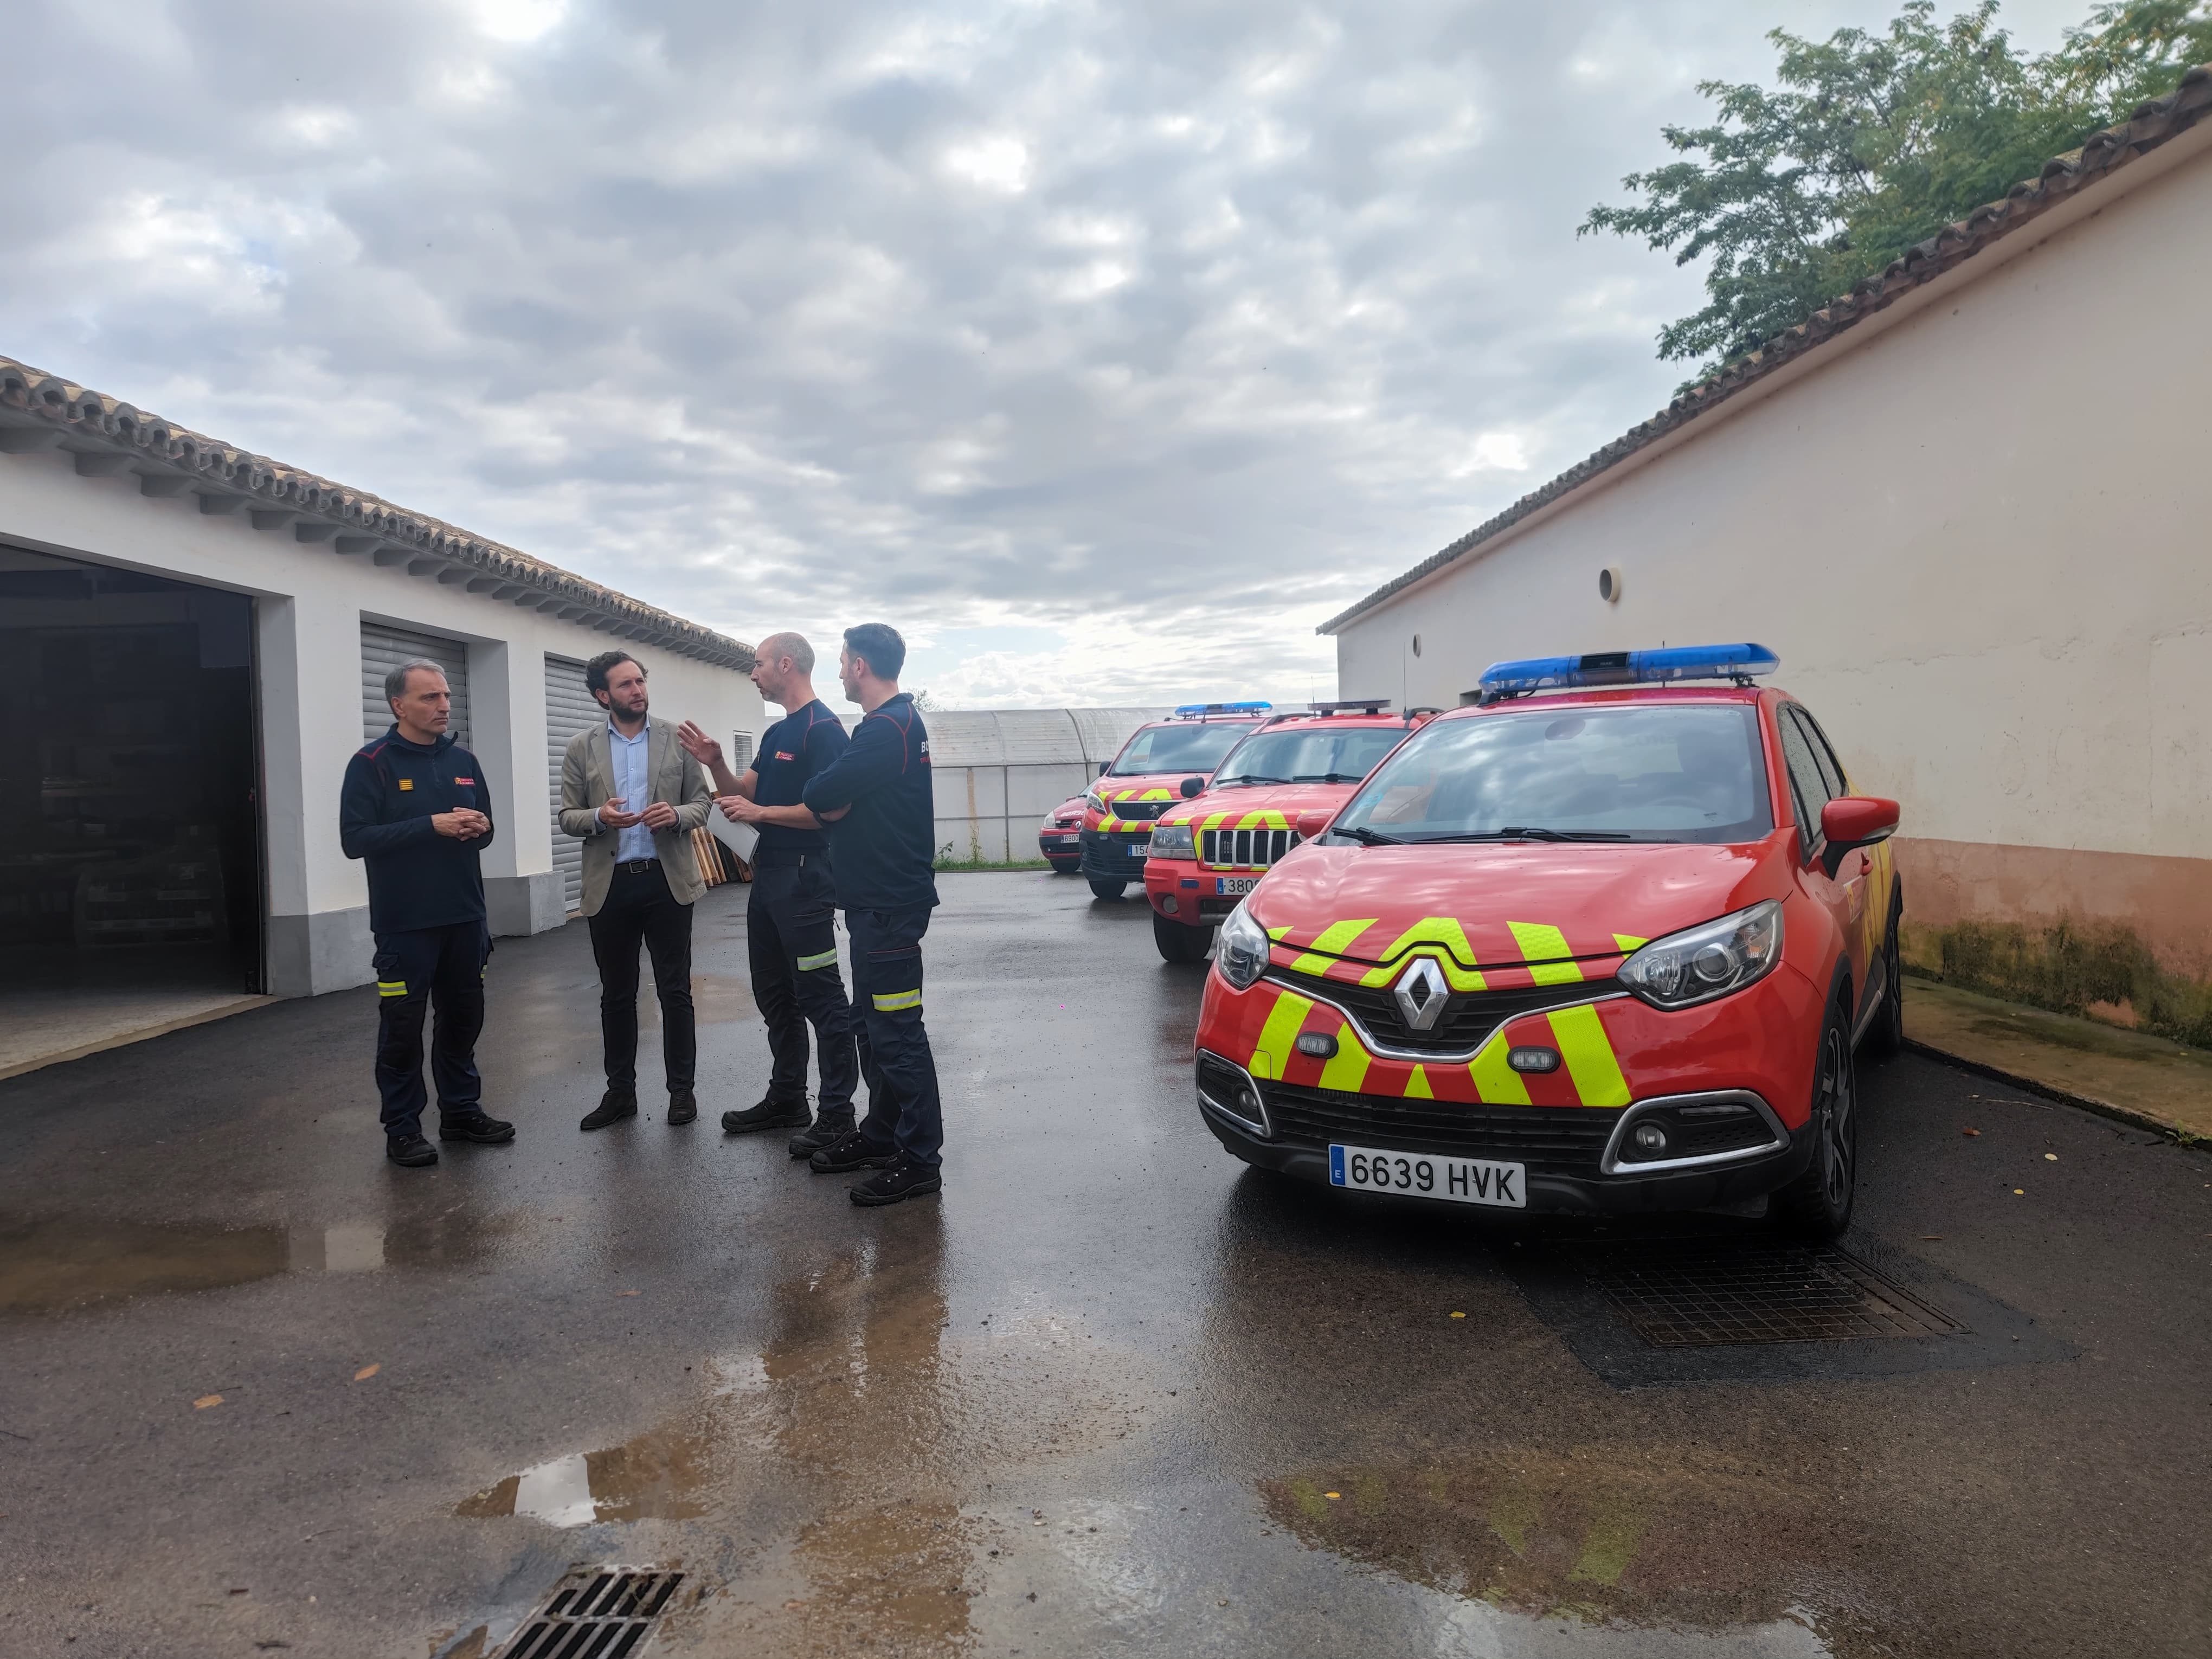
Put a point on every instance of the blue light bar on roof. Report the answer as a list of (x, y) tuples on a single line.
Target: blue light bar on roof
[(1741, 663), (1223, 708)]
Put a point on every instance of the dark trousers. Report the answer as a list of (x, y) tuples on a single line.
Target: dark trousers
[(903, 1109), (792, 941), (413, 968), (640, 908)]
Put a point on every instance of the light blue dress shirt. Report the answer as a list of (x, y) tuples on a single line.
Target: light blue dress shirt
[(633, 770)]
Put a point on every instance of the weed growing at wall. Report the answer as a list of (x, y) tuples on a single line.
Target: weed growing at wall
[(2070, 968)]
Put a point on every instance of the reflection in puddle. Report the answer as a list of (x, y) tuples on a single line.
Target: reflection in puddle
[(651, 1478), (1604, 1540), (60, 1262)]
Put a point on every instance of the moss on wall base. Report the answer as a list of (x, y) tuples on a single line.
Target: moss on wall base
[(2100, 970)]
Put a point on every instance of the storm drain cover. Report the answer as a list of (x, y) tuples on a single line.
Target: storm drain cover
[(596, 1612), (1711, 1294)]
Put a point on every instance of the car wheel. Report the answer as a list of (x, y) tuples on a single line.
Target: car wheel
[(1886, 1035), (1178, 942), (1102, 888), (1071, 867), (1817, 1205)]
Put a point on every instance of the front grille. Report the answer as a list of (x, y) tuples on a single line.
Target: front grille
[(1565, 1140), (1137, 811), (1469, 1018), (1245, 849), (1114, 855), (1217, 907)]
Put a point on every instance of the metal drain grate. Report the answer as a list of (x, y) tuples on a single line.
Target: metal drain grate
[(1690, 1294), (598, 1613)]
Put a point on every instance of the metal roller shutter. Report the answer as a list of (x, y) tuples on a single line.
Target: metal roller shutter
[(383, 649), (569, 709)]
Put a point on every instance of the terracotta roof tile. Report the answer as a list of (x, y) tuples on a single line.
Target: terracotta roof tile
[(91, 423), (2152, 124)]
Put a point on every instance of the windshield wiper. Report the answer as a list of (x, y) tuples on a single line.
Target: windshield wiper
[(1250, 777), (1325, 777), (1535, 832), (1367, 837)]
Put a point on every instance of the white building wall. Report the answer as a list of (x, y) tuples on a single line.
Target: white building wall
[(1974, 536), (310, 604)]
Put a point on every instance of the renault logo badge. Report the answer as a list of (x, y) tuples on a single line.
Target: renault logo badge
[(1421, 994)]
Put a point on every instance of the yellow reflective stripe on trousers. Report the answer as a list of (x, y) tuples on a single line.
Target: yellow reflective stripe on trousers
[(392, 988), (1540, 948), (889, 1002), (1589, 1053), (1277, 1036), (825, 959)]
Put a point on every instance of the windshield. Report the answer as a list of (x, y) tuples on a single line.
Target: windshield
[(1193, 746), (1649, 772), (1309, 754)]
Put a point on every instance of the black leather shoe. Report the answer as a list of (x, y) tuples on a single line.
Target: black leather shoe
[(683, 1107), (810, 1141), (476, 1129), (900, 1181), (852, 1151), (410, 1151), (614, 1106), (768, 1115)]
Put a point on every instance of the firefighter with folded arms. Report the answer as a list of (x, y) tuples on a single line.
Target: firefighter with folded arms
[(876, 800), (414, 809)]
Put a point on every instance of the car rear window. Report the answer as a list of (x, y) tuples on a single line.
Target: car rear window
[(1310, 754), (1647, 772), (1193, 746)]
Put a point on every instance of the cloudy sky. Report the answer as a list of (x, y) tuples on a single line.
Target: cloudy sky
[(1103, 349)]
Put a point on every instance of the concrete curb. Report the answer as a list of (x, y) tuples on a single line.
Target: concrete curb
[(2126, 1115)]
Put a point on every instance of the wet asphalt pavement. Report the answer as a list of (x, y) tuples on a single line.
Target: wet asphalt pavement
[(1110, 1394)]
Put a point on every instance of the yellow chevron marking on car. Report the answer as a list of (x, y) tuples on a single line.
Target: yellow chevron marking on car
[(1540, 946), (1275, 935), (1589, 1053), (1334, 939), (1279, 1034), (1630, 942), (1417, 1086), (1497, 1082), (1346, 1069), (1443, 931)]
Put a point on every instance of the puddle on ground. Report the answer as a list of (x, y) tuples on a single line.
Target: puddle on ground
[(1613, 1539), (55, 1263), (653, 1477)]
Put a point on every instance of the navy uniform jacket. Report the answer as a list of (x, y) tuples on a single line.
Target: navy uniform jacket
[(416, 877), (802, 744), (883, 849)]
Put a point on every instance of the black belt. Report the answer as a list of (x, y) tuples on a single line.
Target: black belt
[(783, 858), (636, 866)]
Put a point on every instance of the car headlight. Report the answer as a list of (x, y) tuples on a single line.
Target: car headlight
[(1173, 840), (1241, 952), (1095, 803), (1709, 961)]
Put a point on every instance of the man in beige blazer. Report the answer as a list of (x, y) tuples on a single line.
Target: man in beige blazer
[(631, 791)]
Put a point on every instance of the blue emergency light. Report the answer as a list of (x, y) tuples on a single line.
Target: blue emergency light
[(1183, 711), (1739, 662)]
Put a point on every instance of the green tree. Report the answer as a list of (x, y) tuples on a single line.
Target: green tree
[(1873, 142)]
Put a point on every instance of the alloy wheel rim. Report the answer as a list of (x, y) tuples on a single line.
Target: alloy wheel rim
[(1836, 1147)]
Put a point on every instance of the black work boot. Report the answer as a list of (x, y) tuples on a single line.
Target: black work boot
[(476, 1127), (768, 1115), (410, 1151), (826, 1132), (683, 1106), (852, 1151), (900, 1181), (614, 1106)]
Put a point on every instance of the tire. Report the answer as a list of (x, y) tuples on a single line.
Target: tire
[(1886, 1036), (1178, 942), (1102, 888), (1070, 867), (1817, 1205)]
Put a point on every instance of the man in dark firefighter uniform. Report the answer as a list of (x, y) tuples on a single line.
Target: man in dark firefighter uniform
[(790, 913), (414, 809)]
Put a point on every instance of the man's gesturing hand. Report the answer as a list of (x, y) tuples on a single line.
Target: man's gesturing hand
[(462, 824), (658, 816), (612, 816), (697, 745), (738, 810)]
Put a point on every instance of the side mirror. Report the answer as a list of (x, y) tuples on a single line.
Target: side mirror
[(1102, 765), (1853, 821), (1193, 788), (1312, 823)]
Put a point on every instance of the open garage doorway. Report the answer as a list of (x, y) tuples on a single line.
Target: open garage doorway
[(130, 884)]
